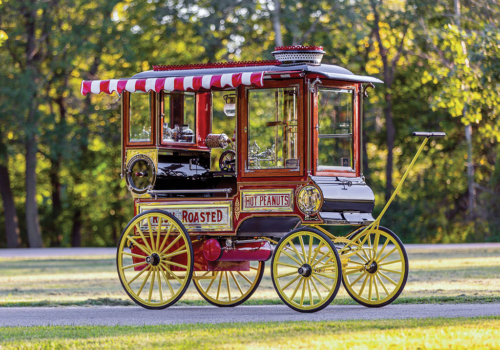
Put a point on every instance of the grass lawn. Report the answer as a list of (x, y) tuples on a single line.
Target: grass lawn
[(456, 333), (455, 276)]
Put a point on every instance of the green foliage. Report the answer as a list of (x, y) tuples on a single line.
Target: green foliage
[(443, 67)]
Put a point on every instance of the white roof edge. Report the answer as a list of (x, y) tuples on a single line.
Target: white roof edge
[(356, 78)]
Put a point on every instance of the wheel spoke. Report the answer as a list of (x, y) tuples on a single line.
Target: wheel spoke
[(376, 287), (171, 244), (390, 262), (165, 239), (174, 253), (363, 286), (134, 265), (327, 254), (151, 236), (291, 257), (144, 282), (171, 273), (140, 273), (382, 283), (236, 282), (391, 271), (159, 234), (379, 254), (316, 289), (375, 244), (302, 247), (286, 274), (326, 276), (362, 258), (357, 279), (353, 271), (370, 288), (159, 284), (212, 282), (303, 292), (297, 288), (290, 283), (310, 292), (322, 283), (302, 259), (228, 287), (245, 277), (175, 264), (140, 246), (134, 255), (146, 243), (326, 266), (318, 248), (152, 284), (388, 278), (386, 255), (168, 283), (310, 251), (220, 284), (288, 265)]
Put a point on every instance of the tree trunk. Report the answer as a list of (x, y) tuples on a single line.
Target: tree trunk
[(11, 221), (32, 220), (278, 39), (55, 185), (391, 134), (76, 231)]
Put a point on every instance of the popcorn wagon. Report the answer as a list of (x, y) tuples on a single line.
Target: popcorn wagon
[(232, 165)]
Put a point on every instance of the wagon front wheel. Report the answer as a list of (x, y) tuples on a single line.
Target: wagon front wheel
[(377, 268), (306, 270), (155, 259)]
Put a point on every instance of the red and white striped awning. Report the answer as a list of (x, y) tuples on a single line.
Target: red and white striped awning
[(193, 83)]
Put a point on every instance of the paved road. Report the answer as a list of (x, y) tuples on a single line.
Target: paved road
[(54, 252), (111, 316)]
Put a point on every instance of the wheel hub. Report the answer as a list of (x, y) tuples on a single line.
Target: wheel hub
[(153, 259), (305, 270), (371, 268)]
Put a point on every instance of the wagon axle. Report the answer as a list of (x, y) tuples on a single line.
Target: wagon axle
[(153, 259), (371, 268)]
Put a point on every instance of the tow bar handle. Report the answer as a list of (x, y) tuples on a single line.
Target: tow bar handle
[(428, 134)]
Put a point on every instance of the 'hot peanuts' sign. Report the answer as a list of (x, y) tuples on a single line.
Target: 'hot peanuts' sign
[(267, 200)]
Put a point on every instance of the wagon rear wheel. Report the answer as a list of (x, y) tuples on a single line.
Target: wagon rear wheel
[(376, 273), (306, 270), (155, 259), (229, 288)]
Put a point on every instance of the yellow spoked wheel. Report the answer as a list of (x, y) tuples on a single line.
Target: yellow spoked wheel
[(306, 270), (229, 288), (155, 259), (376, 273)]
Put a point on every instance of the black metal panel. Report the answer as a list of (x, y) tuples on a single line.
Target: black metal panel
[(340, 206), (270, 226), (345, 194)]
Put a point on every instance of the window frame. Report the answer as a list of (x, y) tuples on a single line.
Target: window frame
[(127, 119), (161, 112), (244, 112), (350, 172)]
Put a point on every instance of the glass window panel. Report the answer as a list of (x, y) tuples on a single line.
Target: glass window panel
[(272, 129), (179, 117), (140, 117), (335, 132), (221, 123)]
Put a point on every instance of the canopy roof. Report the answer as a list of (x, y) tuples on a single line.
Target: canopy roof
[(218, 77)]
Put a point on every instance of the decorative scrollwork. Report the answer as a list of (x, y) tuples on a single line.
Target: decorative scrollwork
[(237, 209)]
